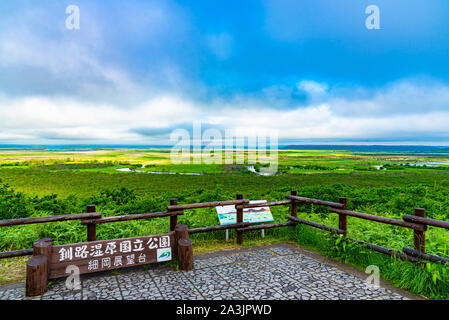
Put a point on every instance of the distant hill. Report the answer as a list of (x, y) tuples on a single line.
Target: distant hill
[(370, 148)]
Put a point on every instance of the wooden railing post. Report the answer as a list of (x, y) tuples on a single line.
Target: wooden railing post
[(38, 268), (294, 206), (239, 220), (342, 218), (181, 231), (173, 219), (184, 248), (91, 227), (43, 247), (419, 237), (37, 277)]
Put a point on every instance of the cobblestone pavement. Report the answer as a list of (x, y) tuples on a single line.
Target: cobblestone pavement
[(271, 272)]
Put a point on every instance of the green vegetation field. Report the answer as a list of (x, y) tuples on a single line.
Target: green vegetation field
[(49, 182)]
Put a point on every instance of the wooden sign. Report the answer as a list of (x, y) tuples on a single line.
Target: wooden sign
[(50, 262), (106, 255)]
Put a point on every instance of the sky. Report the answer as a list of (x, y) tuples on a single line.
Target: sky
[(311, 70)]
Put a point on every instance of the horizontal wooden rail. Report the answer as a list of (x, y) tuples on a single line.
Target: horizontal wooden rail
[(315, 201), (264, 204), (390, 252), (423, 255), (314, 224), (267, 226), (206, 204), (221, 227), (371, 217), (66, 217), (426, 221), (133, 217), (16, 253)]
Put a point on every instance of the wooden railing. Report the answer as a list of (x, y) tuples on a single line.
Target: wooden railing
[(90, 219), (91, 214), (417, 222)]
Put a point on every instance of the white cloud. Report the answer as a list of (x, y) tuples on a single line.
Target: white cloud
[(312, 88), (40, 119), (400, 110), (401, 97)]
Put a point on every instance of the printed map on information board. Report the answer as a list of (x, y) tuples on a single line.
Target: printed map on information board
[(228, 214)]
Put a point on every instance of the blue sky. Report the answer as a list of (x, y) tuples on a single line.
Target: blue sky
[(137, 70)]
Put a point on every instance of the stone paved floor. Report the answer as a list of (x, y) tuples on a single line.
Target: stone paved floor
[(272, 272)]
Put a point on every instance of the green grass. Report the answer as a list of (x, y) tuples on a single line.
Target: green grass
[(35, 181)]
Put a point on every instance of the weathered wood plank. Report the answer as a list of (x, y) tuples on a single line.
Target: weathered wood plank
[(174, 218), (424, 256), (16, 253), (342, 218), (66, 217), (36, 276), (315, 201), (109, 254), (137, 216), (314, 224), (419, 237), (426, 221), (384, 250), (185, 254), (395, 222), (206, 204), (264, 204)]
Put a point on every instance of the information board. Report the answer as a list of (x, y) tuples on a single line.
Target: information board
[(228, 214)]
